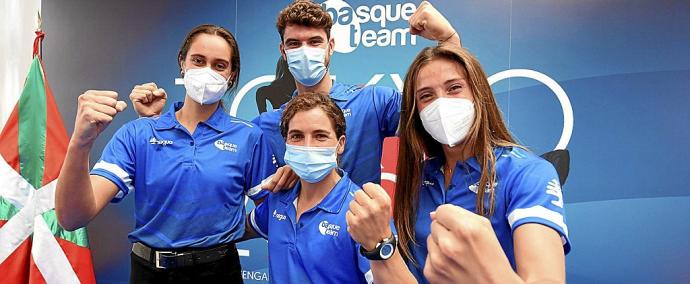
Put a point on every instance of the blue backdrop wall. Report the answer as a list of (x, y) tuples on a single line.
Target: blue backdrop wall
[(606, 79)]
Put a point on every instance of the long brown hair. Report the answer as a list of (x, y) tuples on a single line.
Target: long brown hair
[(488, 131)]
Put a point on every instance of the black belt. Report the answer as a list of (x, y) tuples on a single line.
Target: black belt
[(167, 259)]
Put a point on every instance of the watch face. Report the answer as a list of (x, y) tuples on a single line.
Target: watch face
[(387, 251)]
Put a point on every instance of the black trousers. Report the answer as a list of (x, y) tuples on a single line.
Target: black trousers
[(224, 270)]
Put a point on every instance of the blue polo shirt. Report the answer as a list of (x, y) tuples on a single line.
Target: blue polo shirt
[(190, 188), (318, 248), (527, 191), (371, 114)]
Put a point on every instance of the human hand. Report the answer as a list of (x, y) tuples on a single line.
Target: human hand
[(148, 99), (95, 110), (284, 178), (463, 248), (368, 217), (430, 24)]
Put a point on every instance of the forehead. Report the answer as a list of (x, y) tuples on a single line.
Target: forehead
[(440, 70), (311, 120), (302, 32), (210, 46)]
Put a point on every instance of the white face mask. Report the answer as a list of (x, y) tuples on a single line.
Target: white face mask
[(204, 85), (448, 120)]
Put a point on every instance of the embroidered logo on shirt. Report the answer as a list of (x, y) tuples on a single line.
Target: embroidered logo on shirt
[(347, 112), (475, 187), (328, 229), (222, 145), (554, 188), (278, 216), (154, 141), (430, 183)]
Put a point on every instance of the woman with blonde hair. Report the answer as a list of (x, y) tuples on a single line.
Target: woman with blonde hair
[(456, 156)]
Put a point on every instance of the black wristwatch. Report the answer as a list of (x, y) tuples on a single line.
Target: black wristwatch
[(383, 250)]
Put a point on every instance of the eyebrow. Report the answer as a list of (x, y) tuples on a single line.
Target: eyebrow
[(317, 131), (322, 131), (204, 57), (288, 40), (461, 78)]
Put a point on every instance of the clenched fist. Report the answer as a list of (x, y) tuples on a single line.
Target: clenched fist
[(430, 24), (148, 99), (95, 111), (369, 216), (463, 248)]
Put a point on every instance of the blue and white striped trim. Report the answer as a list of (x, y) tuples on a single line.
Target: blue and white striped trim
[(257, 188), (517, 153), (119, 173), (538, 212), (256, 228), (369, 277), (242, 122)]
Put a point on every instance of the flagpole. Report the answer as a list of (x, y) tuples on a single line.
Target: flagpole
[(38, 42)]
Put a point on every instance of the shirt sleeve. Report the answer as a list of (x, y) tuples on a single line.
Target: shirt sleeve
[(364, 266), (258, 218), (535, 197), (261, 168), (387, 102), (117, 162), (269, 123)]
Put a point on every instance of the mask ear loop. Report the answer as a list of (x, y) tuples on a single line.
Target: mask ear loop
[(327, 53), (337, 156)]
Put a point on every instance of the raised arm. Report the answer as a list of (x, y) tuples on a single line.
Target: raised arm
[(79, 197), (429, 23), (148, 99), (368, 222)]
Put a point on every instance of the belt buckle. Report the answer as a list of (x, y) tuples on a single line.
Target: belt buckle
[(158, 258)]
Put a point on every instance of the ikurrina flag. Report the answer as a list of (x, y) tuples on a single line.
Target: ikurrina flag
[(33, 143)]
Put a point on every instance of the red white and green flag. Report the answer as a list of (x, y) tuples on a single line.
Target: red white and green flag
[(33, 143)]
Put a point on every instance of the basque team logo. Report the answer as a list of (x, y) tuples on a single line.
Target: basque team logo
[(378, 25)]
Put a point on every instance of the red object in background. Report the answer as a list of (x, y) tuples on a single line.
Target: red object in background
[(388, 164)]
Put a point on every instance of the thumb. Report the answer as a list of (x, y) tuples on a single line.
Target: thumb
[(120, 106), (422, 25), (160, 93)]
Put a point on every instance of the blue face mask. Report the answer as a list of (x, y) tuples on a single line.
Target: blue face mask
[(311, 164), (307, 64)]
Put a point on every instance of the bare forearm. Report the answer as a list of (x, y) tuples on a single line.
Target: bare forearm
[(453, 40), (249, 232), (393, 270), (74, 197)]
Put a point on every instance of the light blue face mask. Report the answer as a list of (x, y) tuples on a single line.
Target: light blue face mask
[(311, 164), (307, 64)]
